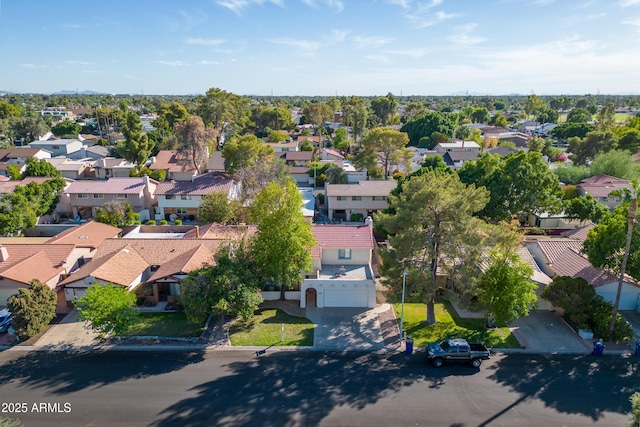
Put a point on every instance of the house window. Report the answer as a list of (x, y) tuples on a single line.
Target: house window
[(356, 198), (380, 198), (344, 253), (170, 197), (181, 211), (56, 147), (120, 196), (98, 196), (449, 149), (341, 198), (185, 197), (83, 196)]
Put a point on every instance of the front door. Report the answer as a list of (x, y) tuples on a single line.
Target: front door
[(311, 296)]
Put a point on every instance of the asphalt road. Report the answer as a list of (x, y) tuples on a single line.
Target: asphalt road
[(303, 388)]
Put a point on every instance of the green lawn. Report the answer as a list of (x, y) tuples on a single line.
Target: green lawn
[(449, 325), (164, 325), (264, 329)]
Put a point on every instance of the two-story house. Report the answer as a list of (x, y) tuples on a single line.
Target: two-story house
[(456, 153), (298, 165), (86, 196), (354, 202), (181, 199), (171, 163), (71, 148), (111, 167), (342, 275), (600, 188), (19, 157), (281, 147)]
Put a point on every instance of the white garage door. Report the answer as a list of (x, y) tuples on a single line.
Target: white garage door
[(628, 301), (345, 298)]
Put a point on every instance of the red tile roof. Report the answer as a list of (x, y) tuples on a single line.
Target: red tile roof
[(332, 236), (578, 233), (7, 187), (571, 263), (108, 186), (552, 249), (26, 262), (602, 185), (169, 160), (156, 251), (187, 262)]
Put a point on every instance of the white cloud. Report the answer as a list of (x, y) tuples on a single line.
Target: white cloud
[(335, 4), (462, 35), (336, 36), (627, 3), (92, 71), (370, 41), (306, 47), (378, 58), (426, 20), (33, 66), (542, 2), (205, 62), (205, 42), (79, 62), (633, 21), (414, 53), (173, 63), (238, 6), (74, 26)]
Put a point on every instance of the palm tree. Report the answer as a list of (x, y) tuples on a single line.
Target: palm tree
[(631, 197)]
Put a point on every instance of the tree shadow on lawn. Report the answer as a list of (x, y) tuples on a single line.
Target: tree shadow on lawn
[(70, 370), (301, 388), (583, 385)]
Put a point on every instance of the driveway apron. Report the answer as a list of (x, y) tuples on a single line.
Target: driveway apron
[(70, 332), (346, 328), (546, 331)]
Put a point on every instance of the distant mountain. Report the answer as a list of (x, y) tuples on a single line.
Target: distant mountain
[(75, 92)]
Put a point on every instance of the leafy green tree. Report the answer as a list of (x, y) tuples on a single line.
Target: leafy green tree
[(194, 143), (339, 140), (506, 288), (282, 244), (615, 163), (355, 114), (572, 174), (498, 120), (384, 109), (585, 208), (480, 115), (230, 287), (14, 172), (500, 105), (109, 309), (337, 175), (609, 246), (592, 144), (224, 112), (629, 140), (116, 213), (273, 118), (255, 177), (278, 136), (216, 207), (425, 125), (519, 183), (32, 309), (66, 129), (578, 115), (387, 144), (430, 223), (534, 105), (318, 114), (37, 167), (605, 120), (568, 130), (158, 174), (536, 144), (8, 110), (412, 110), (243, 152), (136, 147)]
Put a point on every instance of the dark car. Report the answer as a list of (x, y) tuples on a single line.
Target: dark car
[(5, 319), (457, 350)]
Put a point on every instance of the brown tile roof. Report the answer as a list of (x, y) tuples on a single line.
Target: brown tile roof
[(362, 188), (7, 187), (185, 263), (108, 186), (571, 263), (553, 248), (216, 162), (298, 156), (332, 236), (156, 251), (298, 169), (122, 267), (169, 160), (332, 152), (26, 262), (208, 183), (602, 185), (90, 234), (221, 231), (578, 233)]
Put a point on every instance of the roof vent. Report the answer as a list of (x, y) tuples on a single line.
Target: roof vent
[(126, 251)]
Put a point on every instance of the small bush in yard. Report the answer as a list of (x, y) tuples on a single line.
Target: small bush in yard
[(164, 222), (178, 222), (32, 309)]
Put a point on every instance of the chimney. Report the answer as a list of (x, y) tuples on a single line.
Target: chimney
[(197, 232), (4, 254)]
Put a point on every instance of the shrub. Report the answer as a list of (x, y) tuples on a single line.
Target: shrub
[(356, 217), (321, 198), (562, 158), (164, 222), (178, 222), (32, 309), (151, 222), (534, 231)]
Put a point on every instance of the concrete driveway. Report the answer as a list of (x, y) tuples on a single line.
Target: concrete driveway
[(546, 331), (633, 317), (346, 328), (70, 332)]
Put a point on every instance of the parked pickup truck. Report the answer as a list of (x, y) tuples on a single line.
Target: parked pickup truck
[(457, 350)]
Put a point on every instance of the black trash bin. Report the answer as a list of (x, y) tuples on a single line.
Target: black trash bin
[(408, 347), (637, 348), (598, 348)]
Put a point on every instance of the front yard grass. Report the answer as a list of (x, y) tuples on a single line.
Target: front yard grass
[(164, 325), (450, 325), (264, 329)]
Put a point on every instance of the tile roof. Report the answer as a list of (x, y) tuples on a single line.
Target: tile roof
[(362, 188), (169, 160), (298, 156), (7, 187), (187, 262), (333, 236), (602, 185), (578, 233), (456, 156), (571, 263), (26, 262), (553, 248), (122, 267), (90, 234), (333, 152), (208, 183), (216, 162), (108, 186), (156, 251)]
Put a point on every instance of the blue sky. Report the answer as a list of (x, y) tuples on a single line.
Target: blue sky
[(321, 47)]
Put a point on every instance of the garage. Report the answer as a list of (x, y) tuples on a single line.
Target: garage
[(346, 298), (627, 301)]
